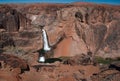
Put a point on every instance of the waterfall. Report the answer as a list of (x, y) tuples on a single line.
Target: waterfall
[(41, 59), (46, 46)]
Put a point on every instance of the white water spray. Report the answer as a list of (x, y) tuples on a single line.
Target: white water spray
[(46, 46), (41, 59)]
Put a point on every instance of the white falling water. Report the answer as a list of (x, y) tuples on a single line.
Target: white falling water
[(46, 46)]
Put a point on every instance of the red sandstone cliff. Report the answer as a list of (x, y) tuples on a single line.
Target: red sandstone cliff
[(73, 29), (83, 27)]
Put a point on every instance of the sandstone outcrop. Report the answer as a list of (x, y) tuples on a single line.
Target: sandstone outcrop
[(11, 20), (77, 32), (12, 61), (72, 28)]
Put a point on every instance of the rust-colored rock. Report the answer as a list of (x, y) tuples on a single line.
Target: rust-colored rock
[(13, 61), (75, 30), (11, 20), (82, 59), (82, 28), (107, 75), (8, 76)]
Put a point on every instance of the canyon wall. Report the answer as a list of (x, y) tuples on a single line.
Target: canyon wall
[(71, 28)]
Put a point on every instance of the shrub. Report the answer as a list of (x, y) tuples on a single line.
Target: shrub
[(105, 60)]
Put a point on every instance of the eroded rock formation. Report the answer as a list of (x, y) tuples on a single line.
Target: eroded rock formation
[(72, 28), (11, 20), (78, 30)]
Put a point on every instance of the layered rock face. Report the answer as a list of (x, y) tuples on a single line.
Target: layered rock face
[(72, 28), (82, 28), (78, 30), (11, 20)]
